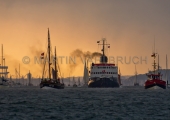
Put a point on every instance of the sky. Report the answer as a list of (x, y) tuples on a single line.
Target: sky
[(130, 27)]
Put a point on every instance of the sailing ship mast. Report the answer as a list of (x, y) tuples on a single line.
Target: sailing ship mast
[(135, 74), (55, 66), (49, 48), (2, 60)]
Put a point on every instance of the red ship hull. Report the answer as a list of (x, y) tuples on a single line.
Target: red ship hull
[(156, 82)]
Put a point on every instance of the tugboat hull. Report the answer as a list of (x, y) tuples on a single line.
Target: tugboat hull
[(104, 83), (152, 83)]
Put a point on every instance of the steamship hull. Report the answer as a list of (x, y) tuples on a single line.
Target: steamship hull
[(103, 83)]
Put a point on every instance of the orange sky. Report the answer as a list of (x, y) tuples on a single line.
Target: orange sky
[(129, 26)]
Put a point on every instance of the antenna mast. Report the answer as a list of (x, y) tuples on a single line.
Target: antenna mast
[(158, 62), (166, 69), (154, 56), (103, 57)]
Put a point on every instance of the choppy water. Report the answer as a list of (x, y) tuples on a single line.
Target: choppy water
[(84, 104)]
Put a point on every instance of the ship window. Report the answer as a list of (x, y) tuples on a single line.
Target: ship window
[(100, 72)]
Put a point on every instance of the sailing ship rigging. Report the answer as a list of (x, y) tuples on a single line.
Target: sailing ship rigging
[(52, 77)]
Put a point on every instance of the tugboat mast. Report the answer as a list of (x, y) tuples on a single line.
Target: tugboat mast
[(154, 56), (49, 54)]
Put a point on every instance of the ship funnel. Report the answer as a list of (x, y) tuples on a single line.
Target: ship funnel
[(103, 59)]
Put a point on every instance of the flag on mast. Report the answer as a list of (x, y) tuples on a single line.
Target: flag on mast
[(42, 55), (153, 55)]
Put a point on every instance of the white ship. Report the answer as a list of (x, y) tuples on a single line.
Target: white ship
[(4, 82), (104, 74)]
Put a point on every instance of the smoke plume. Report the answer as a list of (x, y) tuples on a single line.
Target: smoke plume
[(81, 57)]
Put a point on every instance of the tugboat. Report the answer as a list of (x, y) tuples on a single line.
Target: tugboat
[(155, 77), (104, 74), (49, 82), (136, 82)]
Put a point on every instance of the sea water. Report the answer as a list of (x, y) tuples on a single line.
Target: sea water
[(127, 103)]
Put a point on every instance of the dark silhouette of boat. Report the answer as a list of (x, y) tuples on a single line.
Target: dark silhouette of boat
[(53, 80)]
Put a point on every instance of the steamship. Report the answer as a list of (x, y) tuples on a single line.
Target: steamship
[(51, 79), (104, 74)]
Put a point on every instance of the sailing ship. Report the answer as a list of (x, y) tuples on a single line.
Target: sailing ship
[(52, 80), (104, 74), (155, 76), (136, 82)]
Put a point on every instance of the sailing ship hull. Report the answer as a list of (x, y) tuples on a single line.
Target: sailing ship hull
[(152, 83), (103, 83), (52, 85)]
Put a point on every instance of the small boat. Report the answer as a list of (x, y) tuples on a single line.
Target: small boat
[(155, 77), (69, 82), (79, 82), (136, 82), (74, 83), (3, 82), (48, 81)]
